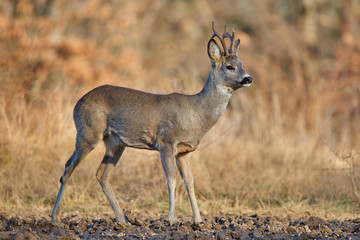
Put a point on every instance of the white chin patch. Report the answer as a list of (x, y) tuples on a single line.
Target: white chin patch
[(224, 90), (246, 85)]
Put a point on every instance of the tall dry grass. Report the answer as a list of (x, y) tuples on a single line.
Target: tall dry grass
[(292, 139)]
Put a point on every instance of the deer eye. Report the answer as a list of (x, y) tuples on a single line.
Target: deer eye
[(230, 68)]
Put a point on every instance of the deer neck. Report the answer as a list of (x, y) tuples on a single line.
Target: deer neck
[(213, 100)]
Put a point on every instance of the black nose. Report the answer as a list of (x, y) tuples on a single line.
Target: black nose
[(247, 80)]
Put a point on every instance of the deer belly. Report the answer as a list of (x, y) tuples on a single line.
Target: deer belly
[(142, 140)]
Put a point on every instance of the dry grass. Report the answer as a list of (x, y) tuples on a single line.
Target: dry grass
[(291, 141)]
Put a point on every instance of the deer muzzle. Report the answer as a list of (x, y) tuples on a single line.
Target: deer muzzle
[(246, 81)]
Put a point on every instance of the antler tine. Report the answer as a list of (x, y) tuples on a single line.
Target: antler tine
[(225, 31), (231, 37), (221, 38)]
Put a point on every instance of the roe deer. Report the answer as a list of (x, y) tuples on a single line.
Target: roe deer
[(172, 124)]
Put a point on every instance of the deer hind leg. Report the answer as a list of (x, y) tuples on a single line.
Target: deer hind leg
[(79, 154), (107, 165), (183, 164), (86, 140), (168, 163)]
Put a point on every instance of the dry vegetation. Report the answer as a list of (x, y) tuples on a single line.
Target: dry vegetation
[(291, 141)]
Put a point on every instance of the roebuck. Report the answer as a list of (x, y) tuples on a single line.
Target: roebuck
[(172, 124)]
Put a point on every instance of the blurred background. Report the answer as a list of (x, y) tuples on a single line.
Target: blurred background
[(290, 140)]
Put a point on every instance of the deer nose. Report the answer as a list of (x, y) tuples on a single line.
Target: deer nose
[(247, 80)]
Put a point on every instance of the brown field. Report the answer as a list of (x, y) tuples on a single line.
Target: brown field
[(289, 144)]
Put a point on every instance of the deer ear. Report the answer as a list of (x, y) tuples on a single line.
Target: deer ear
[(214, 51), (236, 46)]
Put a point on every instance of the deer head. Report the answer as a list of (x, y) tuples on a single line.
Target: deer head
[(225, 63)]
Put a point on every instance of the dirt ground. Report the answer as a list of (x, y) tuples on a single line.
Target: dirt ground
[(227, 226)]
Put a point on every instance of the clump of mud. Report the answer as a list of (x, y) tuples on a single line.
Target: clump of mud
[(213, 227)]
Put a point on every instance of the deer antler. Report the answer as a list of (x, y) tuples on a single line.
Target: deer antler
[(231, 50), (222, 37)]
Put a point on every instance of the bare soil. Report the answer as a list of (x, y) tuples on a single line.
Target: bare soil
[(213, 227)]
